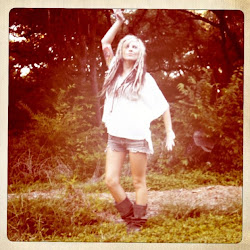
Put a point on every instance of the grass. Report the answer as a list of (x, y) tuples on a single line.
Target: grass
[(77, 219), (183, 179), (193, 179), (187, 179), (206, 228), (161, 229), (74, 217)]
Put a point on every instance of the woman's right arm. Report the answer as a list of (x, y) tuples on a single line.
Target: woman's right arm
[(110, 35)]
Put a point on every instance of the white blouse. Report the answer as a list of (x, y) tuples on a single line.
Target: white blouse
[(131, 119)]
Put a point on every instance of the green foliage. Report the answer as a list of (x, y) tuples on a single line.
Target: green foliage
[(62, 142), (205, 228), (28, 168), (100, 186), (55, 130), (76, 216), (171, 180), (219, 117), (164, 229), (229, 127), (193, 179), (59, 147), (182, 179), (43, 218)]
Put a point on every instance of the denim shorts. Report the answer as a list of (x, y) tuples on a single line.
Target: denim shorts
[(127, 145)]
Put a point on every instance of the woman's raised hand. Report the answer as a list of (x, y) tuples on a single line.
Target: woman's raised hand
[(119, 15)]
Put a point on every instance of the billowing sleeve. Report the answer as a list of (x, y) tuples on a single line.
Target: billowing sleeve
[(153, 98)]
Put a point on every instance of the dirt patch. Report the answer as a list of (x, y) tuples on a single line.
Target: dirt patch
[(219, 199)]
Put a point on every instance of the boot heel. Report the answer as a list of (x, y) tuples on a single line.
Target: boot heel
[(138, 220)]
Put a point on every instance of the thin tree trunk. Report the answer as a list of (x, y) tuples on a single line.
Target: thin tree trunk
[(93, 54), (227, 67)]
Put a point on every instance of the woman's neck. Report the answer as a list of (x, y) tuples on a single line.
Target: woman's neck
[(127, 67)]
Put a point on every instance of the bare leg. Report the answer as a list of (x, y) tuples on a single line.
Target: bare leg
[(114, 162), (138, 164)]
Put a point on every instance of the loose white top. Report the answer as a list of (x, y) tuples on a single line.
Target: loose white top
[(131, 118)]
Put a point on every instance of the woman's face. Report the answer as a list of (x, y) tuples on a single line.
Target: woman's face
[(130, 50)]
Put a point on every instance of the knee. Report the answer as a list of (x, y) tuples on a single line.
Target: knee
[(111, 182), (139, 183)]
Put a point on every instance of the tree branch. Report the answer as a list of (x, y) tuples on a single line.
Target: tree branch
[(138, 17), (198, 17)]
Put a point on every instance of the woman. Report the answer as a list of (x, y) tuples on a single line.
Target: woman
[(133, 100)]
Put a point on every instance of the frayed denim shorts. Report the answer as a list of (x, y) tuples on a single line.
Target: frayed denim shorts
[(127, 145)]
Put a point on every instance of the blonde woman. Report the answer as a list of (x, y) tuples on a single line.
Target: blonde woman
[(132, 101)]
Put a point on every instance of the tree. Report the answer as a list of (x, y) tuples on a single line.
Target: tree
[(61, 52)]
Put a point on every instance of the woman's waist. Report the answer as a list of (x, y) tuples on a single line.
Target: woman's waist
[(129, 132)]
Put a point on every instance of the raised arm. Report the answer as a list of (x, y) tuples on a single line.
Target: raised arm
[(110, 35)]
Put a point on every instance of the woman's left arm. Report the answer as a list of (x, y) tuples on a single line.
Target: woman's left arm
[(168, 128)]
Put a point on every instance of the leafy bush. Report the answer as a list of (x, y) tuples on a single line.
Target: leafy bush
[(30, 168), (219, 118), (60, 142)]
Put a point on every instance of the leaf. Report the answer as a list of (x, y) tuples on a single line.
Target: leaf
[(184, 162)]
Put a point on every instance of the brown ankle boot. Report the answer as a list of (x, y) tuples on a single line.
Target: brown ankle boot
[(138, 220), (125, 208)]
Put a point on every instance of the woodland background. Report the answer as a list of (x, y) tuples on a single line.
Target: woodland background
[(56, 70), (54, 111)]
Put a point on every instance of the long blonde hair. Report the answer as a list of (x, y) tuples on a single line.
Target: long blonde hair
[(135, 79)]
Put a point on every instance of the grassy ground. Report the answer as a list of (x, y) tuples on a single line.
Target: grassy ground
[(74, 217), (185, 179)]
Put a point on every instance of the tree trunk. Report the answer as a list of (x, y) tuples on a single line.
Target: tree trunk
[(93, 79), (227, 66)]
